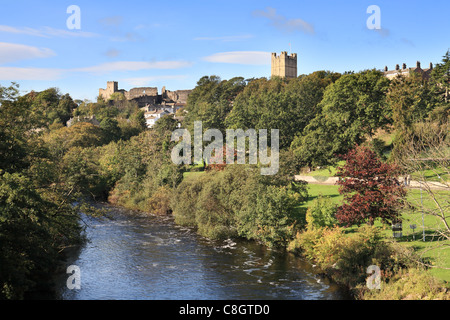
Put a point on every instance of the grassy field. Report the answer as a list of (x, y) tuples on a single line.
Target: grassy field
[(411, 238)]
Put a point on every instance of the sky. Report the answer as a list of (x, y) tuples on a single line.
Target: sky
[(174, 43)]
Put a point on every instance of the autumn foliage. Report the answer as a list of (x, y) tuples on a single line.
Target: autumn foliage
[(370, 188)]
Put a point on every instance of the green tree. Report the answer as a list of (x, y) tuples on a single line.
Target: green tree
[(411, 99), (211, 101), (111, 129), (353, 108), (322, 213)]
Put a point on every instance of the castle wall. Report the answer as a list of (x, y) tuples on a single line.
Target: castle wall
[(145, 95), (143, 91)]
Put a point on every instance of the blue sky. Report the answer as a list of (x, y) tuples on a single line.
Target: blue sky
[(175, 43)]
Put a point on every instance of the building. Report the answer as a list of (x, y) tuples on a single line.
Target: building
[(146, 96), (404, 71), (90, 119), (284, 65), (152, 116)]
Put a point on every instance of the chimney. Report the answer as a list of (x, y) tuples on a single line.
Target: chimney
[(418, 64), (431, 65), (404, 66), (385, 69), (397, 67)]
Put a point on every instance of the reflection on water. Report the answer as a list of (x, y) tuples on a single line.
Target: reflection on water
[(137, 257)]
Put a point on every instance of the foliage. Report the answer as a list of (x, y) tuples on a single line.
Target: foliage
[(321, 213), (211, 101), (409, 284), (370, 189), (237, 202), (286, 105), (352, 109), (346, 257)]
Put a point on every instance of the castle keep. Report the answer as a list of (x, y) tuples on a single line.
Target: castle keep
[(284, 65), (146, 96)]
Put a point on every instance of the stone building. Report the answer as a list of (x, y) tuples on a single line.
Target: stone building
[(146, 96), (405, 71), (284, 65), (111, 87)]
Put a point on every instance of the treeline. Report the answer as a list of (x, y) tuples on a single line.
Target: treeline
[(323, 115)]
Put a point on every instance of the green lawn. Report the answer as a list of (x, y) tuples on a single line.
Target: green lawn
[(325, 172), (314, 190), (428, 249)]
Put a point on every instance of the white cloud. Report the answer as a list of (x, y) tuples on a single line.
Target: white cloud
[(143, 81), (15, 74), (133, 66), (241, 57), (30, 73), (47, 32), (284, 24), (10, 52), (225, 38)]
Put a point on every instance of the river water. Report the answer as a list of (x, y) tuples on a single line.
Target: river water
[(131, 256)]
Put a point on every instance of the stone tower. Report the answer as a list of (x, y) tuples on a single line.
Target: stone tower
[(285, 65), (111, 87)]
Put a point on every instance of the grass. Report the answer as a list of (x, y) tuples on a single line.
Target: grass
[(314, 190), (429, 249), (325, 172)]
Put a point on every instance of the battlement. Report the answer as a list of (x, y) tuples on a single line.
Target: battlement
[(284, 65)]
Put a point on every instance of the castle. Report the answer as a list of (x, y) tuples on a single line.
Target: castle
[(284, 65), (147, 96)]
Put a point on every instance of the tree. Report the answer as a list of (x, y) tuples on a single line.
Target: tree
[(211, 101), (370, 188), (410, 99), (426, 157), (321, 213), (441, 74), (111, 129), (352, 109)]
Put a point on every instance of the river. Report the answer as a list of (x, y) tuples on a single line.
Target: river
[(133, 256)]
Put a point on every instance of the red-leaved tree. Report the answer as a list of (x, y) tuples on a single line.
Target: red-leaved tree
[(370, 187)]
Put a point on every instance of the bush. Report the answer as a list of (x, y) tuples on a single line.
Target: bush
[(410, 284), (184, 199), (237, 202), (345, 257), (159, 203), (321, 213)]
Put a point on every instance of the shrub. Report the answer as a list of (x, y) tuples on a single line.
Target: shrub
[(321, 213), (159, 203), (410, 284), (237, 202), (345, 257), (184, 200)]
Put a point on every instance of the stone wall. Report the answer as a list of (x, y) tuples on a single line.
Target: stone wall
[(143, 91), (146, 95)]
